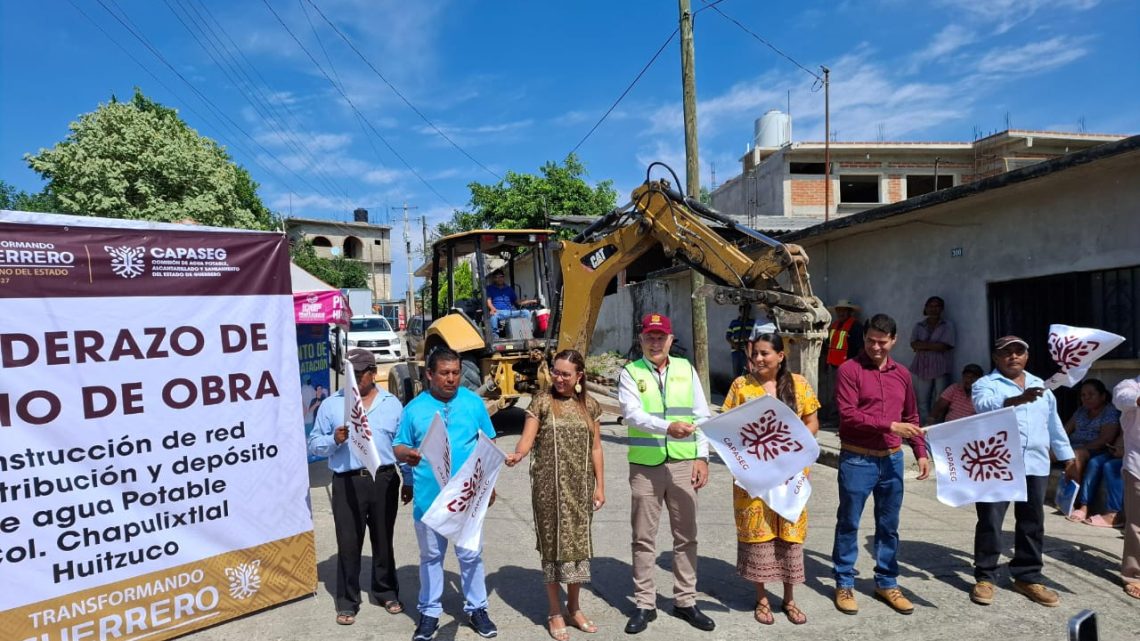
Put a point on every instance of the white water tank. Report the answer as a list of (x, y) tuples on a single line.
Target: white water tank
[(773, 129)]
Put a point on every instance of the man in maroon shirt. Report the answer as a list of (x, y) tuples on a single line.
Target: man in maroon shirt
[(877, 410)]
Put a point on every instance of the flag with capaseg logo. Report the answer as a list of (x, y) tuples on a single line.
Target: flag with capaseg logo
[(360, 441), (978, 459), (457, 513), (1075, 349), (763, 443)]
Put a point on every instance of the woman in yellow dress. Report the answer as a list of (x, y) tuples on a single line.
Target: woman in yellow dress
[(770, 548)]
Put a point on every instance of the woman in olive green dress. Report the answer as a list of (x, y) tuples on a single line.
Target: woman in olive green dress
[(567, 486)]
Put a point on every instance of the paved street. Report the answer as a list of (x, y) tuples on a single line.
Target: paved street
[(1081, 561)]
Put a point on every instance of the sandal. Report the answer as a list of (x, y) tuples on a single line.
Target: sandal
[(345, 618), (1098, 520), (1132, 590), (1078, 515), (392, 607), (558, 634), (763, 613), (585, 625), (794, 614)]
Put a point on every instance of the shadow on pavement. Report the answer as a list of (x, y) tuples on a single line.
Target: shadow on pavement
[(521, 589)]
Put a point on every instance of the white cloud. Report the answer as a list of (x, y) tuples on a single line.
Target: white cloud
[(383, 176), (310, 141), (1006, 14), (1031, 58), (476, 134), (952, 38)]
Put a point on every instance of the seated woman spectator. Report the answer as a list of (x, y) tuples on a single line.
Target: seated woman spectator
[(1106, 467), (955, 401), (1094, 425)]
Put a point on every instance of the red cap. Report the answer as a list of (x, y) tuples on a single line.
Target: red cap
[(656, 323)]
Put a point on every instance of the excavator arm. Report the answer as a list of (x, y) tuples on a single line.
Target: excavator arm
[(774, 277)]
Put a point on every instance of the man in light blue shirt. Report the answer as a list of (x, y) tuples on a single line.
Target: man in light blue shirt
[(465, 416), (1009, 385), (358, 501)]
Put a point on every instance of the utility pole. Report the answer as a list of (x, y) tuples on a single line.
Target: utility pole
[(693, 188), (409, 296), (826, 143)]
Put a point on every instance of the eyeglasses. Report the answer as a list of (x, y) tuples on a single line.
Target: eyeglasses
[(1008, 351), (560, 374)]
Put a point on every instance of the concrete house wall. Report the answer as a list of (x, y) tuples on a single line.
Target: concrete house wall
[(1077, 219)]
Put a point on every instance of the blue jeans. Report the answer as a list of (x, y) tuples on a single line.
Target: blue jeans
[(432, 549), (926, 392), (1105, 466), (504, 314), (859, 477), (739, 363)]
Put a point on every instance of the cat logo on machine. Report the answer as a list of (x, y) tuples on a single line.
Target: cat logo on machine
[(594, 259)]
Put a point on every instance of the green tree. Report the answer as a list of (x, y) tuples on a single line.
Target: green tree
[(464, 286), (20, 200), (139, 160), (522, 201), (337, 271)]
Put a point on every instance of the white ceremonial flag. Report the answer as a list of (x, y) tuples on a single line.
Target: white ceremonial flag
[(436, 450), (359, 433), (978, 459), (1075, 349), (790, 499), (457, 513), (762, 442)]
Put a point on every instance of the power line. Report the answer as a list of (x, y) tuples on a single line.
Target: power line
[(401, 96), (332, 67), (137, 34), (626, 92), (771, 46), (638, 77), (212, 44), (344, 95), (211, 118)]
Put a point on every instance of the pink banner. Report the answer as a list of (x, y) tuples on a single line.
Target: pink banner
[(320, 308)]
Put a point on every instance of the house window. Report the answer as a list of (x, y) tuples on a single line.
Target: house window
[(858, 189), (353, 248), (807, 168), (918, 185), (321, 241), (1107, 299)]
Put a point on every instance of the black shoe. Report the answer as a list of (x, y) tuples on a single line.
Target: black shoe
[(640, 620), (695, 617), (482, 623), (426, 628)]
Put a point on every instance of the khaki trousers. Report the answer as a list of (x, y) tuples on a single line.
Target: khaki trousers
[(649, 486), (1130, 560)]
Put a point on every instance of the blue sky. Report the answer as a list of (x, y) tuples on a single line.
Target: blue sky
[(516, 84)]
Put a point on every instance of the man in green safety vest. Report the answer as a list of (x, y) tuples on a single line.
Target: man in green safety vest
[(661, 401)]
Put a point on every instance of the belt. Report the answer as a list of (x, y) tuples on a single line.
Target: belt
[(863, 451), (364, 471)]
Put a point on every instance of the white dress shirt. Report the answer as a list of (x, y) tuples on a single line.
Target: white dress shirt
[(635, 415)]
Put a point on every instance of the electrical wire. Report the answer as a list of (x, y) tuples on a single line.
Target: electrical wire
[(400, 95), (627, 90), (131, 28), (274, 117), (771, 46), (296, 120), (211, 118), (340, 83), (637, 78), (211, 45), (351, 104)]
